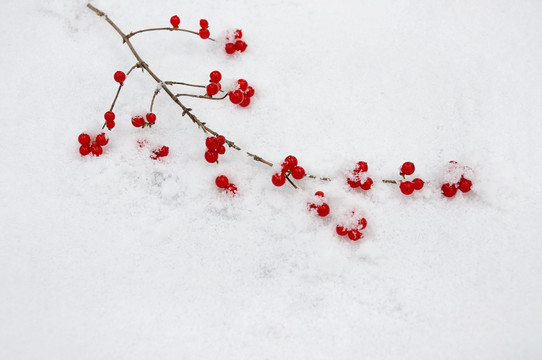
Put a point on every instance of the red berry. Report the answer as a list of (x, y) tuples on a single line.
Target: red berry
[(109, 116), (418, 183), (298, 172), (240, 45), (221, 139), (354, 235), (341, 230), (211, 156), (363, 223), (204, 24), (448, 190), (407, 187), (353, 183), (84, 150), (464, 184), (361, 166), (238, 34), (407, 168), (367, 184), (151, 118), (212, 143), (84, 139), (222, 181), (319, 193), (119, 77), (232, 189), (138, 121), (243, 84), (110, 124), (230, 48), (204, 33), (101, 139), (212, 89), (323, 210), (96, 150), (164, 151), (236, 96), (249, 92), (290, 162), (215, 76), (245, 102), (221, 149), (175, 21), (278, 179)]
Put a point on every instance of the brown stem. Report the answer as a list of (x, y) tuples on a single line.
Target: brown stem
[(185, 84), (202, 96), (290, 181), (389, 181), (153, 97), (161, 29)]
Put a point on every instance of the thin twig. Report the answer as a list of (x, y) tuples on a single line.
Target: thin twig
[(164, 28), (185, 84), (153, 97), (202, 96)]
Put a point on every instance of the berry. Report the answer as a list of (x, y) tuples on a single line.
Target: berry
[(341, 230), (238, 34), (361, 166), (298, 172), (204, 33), (109, 116), (222, 181), (110, 124), (84, 150), (363, 223), (221, 150), (84, 139), (353, 183), (290, 161), (418, 183), (278, 179), (249, 92), (212, 143), (151, 118), (232, 189), (245, 102), (96, 150), (367, 184), (240, 45), (323, 210), (211, 156), (448, 190), (319, 194), (407, 168), (102, 139), (204, 24), (119, 77), (354, 235), (212, 89), (175, 21), (138, 121), (215, 76), (221, 139), (243, 84), (464, 184), (230, 48), (236, 96), (407, 187), (164, 151)]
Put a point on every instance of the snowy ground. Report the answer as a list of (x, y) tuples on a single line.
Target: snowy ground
[(123, 257)]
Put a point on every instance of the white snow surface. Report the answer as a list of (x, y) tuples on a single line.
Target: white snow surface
[(123, 257)]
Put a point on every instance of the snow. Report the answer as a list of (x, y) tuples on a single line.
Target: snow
[(128, 258)]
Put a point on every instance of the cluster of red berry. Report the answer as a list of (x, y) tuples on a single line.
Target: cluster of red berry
[(289, 166), (319, 204), (214, 83), (204, 31), (88, 146), (358, 178), (215, 147), (109, 117), (138, 120), (455, 171), (241, 96), (407, 187), (223, 183), (160, 152), (175, 21), (235, 44), (354, 232)]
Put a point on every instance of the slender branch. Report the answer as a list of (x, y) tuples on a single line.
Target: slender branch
[(153, 97), (164, 28), (290, 181), (202, 96), (185, 84)]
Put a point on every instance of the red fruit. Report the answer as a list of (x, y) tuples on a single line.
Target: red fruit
[(138, 121), (407, 187), (211, 156), (84, 150), (221, 139), (323, 210), (319, 193), (230, 48), (119, 77), (204, 24), (367, 184), (464, 184), (290, 162), (240, 45), (354, 235), (212, 143), (96, 150), (175, 21), (448, 190), (204, 33), (361, 166), (84, 139), (212, 89), (236, 96), (363, 223), (164, 151), (222, 181), (353, 183), (341, 230), (151, 118), (418, 183), (238, 34), (109, 116), (249, 92), (215, 76), (110, 124), (243, 84), (221, 149), (102, 139), (245, 102), (232, 189), (407, 168), (298, 173), (278, 179)]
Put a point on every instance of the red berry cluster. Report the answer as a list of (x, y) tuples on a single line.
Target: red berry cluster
[(358, 178), (138, 120), (109, 117), (354, 232), (160, 152), (215, 147), (408, 187), (464, 184), (175, 21), (204, 31), (223, 183), (242, 94), (319, 204), (214, 83), (289, 166), (88, 146), (235, 44)]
